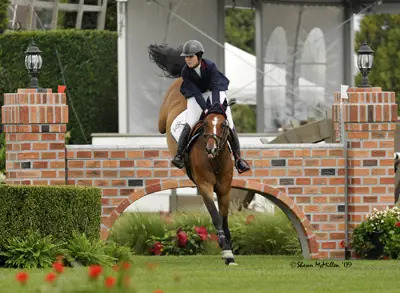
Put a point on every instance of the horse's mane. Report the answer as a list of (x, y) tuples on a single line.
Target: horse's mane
[(168, 59)]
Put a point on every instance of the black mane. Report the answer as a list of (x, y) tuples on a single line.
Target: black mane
[(168, 59)]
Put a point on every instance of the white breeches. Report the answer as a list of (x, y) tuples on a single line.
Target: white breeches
[(194, 111)]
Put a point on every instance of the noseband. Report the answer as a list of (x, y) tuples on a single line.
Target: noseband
[(219, 140)]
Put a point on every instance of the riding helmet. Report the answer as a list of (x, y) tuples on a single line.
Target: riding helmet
[(191, 48)]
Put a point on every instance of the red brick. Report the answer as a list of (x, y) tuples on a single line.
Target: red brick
[(118, 154), (151, 154), (126, 164), (83, 154)]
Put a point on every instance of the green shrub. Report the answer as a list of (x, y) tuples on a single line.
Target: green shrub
[(52, 210), (30, 251), (134, 229), (384, 224), (266, 234), (118, 252), (89, 60), (83, 251)]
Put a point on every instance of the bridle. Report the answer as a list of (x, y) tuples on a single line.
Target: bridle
[(219, 140)]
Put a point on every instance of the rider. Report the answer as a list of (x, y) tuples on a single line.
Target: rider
[(201, 79)]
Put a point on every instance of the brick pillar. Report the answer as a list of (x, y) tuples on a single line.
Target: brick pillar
[(35, 126), (370, 117)]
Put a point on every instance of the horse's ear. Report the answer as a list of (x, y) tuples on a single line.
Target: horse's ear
[(208, 104), (225, 105)]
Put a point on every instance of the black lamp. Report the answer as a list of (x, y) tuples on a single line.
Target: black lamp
[(365, 61), (33, 62)]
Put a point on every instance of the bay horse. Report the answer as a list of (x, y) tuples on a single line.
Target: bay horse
[(210, 161)]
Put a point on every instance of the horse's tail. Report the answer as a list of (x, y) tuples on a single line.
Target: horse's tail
[(168, 59)]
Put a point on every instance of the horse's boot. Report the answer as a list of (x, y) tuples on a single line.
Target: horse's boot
[(178, 160), (240, 164)]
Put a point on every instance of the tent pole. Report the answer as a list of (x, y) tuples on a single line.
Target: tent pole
[(261, 127)]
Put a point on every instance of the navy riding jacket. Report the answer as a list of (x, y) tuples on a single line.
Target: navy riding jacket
[(211, 80)]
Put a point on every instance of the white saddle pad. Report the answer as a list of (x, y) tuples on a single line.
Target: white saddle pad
[(178, 124)]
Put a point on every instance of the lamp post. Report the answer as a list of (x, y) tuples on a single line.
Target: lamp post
[(33, 62), (365, 60)]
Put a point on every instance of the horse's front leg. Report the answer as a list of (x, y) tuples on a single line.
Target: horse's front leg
[(223, 195), (208, 198)]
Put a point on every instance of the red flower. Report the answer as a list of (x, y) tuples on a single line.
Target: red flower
[(58, 267), (182, 238), (157, 248), (109, 282), (158, 291), (126, 265), (50, 277), (115, 268), (22, 277), (250, 219), (214, 237), (398, 224), (341, 244), (95, 271), (202, 232)]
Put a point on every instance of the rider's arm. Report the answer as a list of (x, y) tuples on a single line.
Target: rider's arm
[(214, 83), (189, 89)]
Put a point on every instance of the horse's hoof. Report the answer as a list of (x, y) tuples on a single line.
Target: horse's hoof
[(230, 262)]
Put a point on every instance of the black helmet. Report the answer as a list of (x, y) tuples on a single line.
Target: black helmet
[(191, 48)]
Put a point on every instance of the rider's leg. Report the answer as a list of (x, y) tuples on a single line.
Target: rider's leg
[(240, 164), (193, 113)]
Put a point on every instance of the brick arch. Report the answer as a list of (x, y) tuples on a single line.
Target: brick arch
[(281, 199)]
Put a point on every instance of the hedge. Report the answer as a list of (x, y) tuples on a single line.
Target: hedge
[(89, 61), (52, 210)]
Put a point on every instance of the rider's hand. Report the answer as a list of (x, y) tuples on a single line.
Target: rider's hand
[(205, 111)]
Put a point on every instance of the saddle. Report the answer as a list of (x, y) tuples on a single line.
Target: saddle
[(198, 130)]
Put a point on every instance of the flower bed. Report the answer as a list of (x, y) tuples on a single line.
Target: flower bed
[(379, 235)]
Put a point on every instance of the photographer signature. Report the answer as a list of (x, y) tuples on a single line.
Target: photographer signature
[(320, 264)]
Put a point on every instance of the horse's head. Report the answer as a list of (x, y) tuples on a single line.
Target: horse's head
[(216, 131)]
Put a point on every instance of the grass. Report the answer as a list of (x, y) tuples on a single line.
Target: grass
[(200, 274)]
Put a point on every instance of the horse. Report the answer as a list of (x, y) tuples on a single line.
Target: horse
[(210, 161)]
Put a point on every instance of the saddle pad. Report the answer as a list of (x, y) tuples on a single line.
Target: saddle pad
[(178, 124)]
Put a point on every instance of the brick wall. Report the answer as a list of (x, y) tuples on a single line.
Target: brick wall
[(35, 126), (305, 180)]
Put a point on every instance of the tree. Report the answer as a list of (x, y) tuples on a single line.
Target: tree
[(382, 33), (239, 28), (3, 15)]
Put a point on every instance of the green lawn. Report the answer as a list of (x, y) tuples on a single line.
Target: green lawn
[(253, 274)]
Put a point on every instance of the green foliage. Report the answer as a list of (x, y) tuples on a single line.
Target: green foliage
[(118, 252), (382, 33), (30, 251), (244, 117), (83, 251), (239, 27), (3, 15), (89, 61), (55, 210), (386, 224), (267, 234), (170, 244)]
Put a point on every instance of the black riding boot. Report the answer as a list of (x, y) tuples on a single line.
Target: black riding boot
[(178, 161), (240, 164)]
